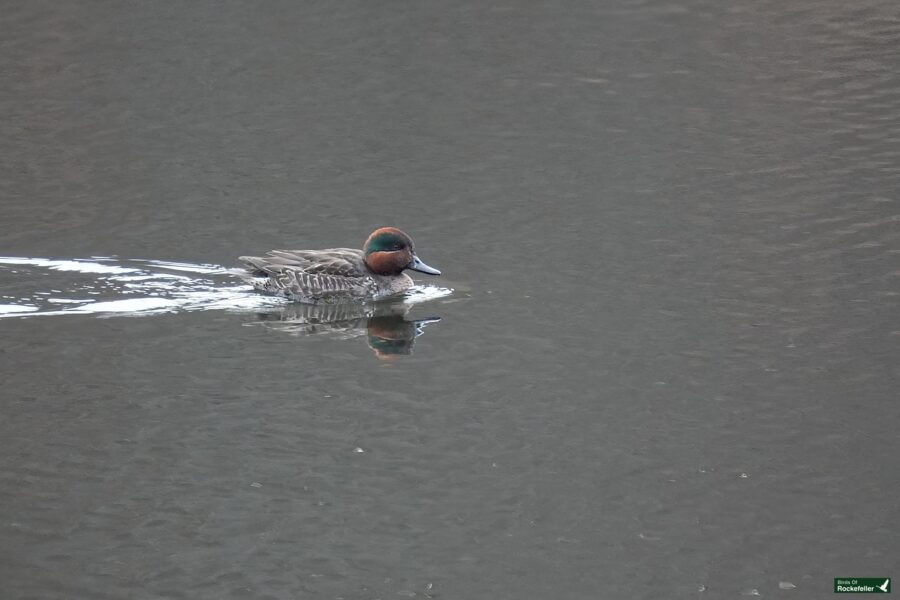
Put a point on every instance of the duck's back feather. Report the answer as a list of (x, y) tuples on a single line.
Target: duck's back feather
[(343, 262)]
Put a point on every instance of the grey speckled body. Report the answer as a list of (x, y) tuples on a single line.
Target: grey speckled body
[(322, 276), (339, 274)]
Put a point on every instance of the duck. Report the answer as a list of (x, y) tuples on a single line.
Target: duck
[(338, 275)]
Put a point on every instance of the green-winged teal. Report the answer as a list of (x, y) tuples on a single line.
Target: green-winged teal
[(339, 274)]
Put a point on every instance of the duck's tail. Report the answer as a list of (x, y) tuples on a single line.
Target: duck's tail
[(255, 267)]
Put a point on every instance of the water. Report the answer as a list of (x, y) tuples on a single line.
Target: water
[(665, 364)]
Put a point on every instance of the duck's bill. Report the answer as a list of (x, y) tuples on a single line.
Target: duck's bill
[(417, 265)]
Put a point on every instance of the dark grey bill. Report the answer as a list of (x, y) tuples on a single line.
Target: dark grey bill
[(417, 265)]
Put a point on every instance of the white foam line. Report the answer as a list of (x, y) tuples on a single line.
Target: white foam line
[(66, 265), (190, 268), (425, 293), (132, 305), (11, 309), (170, 276)]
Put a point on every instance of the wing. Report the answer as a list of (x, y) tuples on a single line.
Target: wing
[(342, 262)]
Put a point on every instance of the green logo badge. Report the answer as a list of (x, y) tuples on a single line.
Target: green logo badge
[(862, 585)]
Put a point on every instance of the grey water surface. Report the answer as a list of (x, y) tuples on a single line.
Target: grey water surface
[(663, 363)]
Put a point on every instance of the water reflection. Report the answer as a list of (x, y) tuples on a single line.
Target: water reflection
[(386, 326)]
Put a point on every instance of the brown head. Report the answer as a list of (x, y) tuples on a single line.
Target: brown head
[(389, 251)]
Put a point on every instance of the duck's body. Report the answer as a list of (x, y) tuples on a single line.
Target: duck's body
[(330, 275), (338, 275)]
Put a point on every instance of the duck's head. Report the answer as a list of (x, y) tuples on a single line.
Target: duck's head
[(389, 251)]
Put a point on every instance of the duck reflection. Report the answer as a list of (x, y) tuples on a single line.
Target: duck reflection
[(388, 330)]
